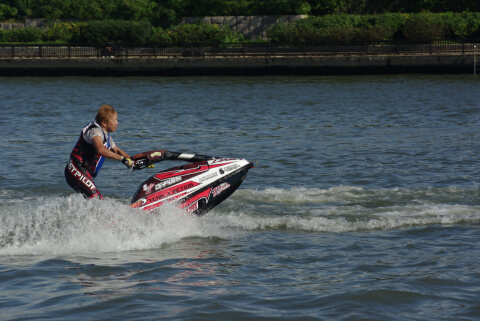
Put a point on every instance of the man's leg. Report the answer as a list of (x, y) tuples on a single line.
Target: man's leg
[(81, 181)]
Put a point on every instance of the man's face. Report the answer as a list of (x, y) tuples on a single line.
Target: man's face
[(111, 124)]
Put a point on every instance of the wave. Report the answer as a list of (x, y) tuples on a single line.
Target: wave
[(65, 225), (72, 224), (350, 209)]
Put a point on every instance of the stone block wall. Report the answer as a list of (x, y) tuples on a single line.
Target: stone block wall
[(249, 26), (36, 23), (10, 26)]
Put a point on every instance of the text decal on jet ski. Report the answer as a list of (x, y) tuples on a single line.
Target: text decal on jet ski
[(220, 188), (159, 154), (172, 191), (207, 177), (231, 167), (148, 188), (222, 160), (167, 182)]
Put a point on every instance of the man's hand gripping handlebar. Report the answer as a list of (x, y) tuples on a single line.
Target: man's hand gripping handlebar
[(127, 161)]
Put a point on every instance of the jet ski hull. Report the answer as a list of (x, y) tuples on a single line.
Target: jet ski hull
[(196, 187)]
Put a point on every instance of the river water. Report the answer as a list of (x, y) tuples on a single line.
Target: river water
[(364, 203)]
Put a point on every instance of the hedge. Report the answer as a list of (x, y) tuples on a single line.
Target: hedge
[(21, 35), (121, 31), (340, 28), (389, 26)]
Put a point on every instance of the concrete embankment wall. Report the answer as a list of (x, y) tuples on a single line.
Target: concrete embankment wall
[(330, 65)]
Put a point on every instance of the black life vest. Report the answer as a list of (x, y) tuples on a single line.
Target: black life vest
[(84, 153)]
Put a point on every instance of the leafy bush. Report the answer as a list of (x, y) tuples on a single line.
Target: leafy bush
[(121, 31), (389, 26), (453, 25), (473, 24), (331, 21), (64, 31), (197, 33), (285, 33), (461, 25), (22, 35), (344, 28), (161, 36), (392, 21), (423, 26)]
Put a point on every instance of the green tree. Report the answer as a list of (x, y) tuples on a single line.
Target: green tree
[(7, 12)]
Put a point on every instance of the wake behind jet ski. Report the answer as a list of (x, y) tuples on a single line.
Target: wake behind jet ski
[(196, 187)]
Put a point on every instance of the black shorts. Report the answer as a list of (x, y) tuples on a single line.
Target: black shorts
[(81, 180)]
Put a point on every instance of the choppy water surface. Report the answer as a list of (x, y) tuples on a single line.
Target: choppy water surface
[(364, 203)]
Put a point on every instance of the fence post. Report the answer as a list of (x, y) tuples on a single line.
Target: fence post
[(40, 52)]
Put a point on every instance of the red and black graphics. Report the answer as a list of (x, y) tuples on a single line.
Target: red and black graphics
[(213, 194), (169, 195), (168, 185), (194, 203), (196, 187)]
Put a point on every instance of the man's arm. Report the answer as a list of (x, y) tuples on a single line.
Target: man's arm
[(120, 152), (116, 153)]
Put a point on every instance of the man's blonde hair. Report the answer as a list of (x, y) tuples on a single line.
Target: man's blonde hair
[(105, 112)]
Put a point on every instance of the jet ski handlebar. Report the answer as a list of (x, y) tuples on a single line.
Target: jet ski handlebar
[(147, 159)]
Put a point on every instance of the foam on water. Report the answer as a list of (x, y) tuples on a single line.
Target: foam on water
[(75, 225), (348, 209)]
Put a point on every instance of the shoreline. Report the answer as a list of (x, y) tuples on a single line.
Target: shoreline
[(255, 66)]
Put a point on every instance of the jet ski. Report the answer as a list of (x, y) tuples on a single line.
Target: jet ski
[(196, 187)]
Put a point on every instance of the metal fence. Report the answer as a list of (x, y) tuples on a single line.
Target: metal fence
[(435, 46)]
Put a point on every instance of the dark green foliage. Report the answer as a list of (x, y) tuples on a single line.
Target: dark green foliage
[(84, 9), (7, 12), (104, 31), (21, 35), (64, 31), (167, 11), (423, 26), (197, 33), (389, 26), (140, 21), (473, 24)]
